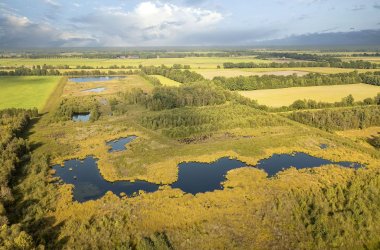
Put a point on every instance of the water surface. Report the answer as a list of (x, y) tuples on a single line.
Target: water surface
[(81, 117), (90, 185), (119, 144), (94, 90), (95, 79), (193, 177)]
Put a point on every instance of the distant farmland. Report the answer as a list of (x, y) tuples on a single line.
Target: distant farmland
[(334, 93), (26, 91)]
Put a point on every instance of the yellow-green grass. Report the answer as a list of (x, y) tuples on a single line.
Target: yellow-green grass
[(167, 82), (373, 59), (361, 136), (211, 73), (26, 91), (334, 93), (194, 62), (111, 87)]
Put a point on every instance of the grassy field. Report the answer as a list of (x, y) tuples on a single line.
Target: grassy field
[(111, 87), (166, 81), (286, 96), (26, 91), (211, 73), (361, 136), (194, 62)]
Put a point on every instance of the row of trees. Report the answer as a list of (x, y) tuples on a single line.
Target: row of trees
[(312, 79), (312, 104), (298, 56), (339, 119), (359, 64), (182, 76), (274, 82)]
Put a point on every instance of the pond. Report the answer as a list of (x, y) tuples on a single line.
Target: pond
[(95, 79), (196, 177), (193, 177), (90, 185), (119, 144), (81, 117), (94, 90)]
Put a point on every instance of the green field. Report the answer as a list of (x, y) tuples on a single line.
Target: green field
[(166, 81), (334, 93), (26, 91)]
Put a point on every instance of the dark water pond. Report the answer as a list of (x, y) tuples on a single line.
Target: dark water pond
[(193, 177), (279, 162), (95, 79), (119, 144), (94, 90), (90, 185), (83, 117)]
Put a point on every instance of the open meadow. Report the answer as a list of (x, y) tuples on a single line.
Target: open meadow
[(26, 91), (333, 93), (166, 81)]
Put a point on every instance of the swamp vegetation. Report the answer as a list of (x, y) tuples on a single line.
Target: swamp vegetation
[(324, 206)]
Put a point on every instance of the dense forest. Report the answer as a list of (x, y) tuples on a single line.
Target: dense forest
[(185, 122), (339, 119), (14, 151)]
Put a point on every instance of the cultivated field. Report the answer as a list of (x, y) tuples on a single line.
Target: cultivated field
[(26, 91), (286, 96), (194, 62), (166, 81)]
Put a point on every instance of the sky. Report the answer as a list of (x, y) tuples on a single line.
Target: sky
[(97, 23)]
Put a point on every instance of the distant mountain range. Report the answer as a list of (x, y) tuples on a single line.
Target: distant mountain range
[(362, 37)]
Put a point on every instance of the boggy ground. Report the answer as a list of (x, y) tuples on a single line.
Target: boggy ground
[(296, 209)]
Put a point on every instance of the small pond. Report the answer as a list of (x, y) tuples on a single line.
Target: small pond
[(90, 185), (81, 117), (279, 162), (95, 79), (94, 90), (193, 177), (119, 144)]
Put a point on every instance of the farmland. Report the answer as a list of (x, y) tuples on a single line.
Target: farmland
[(193, 62), (334, 93), (26, 92)]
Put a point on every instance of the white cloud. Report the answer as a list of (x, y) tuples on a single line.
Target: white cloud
[(52, 3), (150, 23)]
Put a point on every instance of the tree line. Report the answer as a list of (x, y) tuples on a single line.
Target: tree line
[(358, 64), (312, 79), (14, 150), (182, 76), (339, 119), (312, 104)]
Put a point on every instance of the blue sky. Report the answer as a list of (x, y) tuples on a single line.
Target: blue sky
[(31, 23)]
